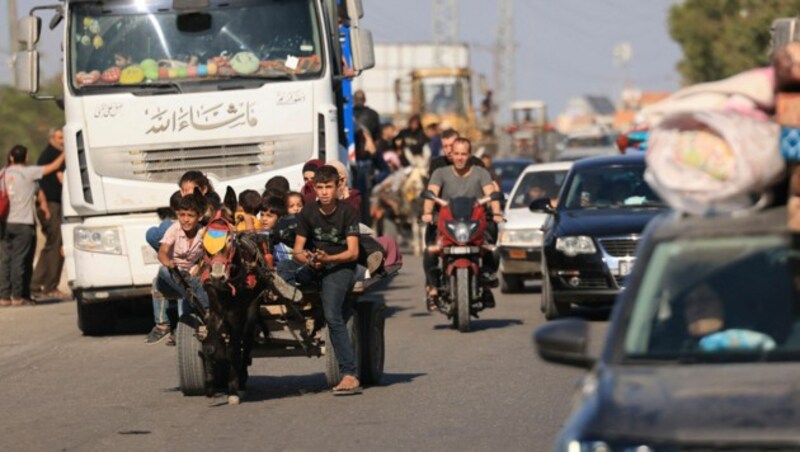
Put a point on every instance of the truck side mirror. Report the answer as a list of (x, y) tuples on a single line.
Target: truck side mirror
[(26, 71), (363, 49), (355, 10), (28, 30)]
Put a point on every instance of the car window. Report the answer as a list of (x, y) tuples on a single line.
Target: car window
[(610, 187), (509, 170), (535, 185), (717, 299)]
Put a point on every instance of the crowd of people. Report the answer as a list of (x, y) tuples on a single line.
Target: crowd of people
[(321, 234)]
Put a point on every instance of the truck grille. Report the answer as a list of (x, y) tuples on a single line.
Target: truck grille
[(620, 247), (222, 160), (225, 161)]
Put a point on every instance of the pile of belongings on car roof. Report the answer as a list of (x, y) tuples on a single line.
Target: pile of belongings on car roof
[(713, 147)]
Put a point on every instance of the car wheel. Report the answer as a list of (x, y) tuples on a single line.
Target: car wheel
[(511, 283), (551, 308)]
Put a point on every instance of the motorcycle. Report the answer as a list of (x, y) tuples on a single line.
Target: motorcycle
[(461, 246)]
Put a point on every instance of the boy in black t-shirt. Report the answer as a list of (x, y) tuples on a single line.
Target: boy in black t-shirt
[(327, 242)]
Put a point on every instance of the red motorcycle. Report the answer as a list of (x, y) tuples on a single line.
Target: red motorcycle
[(461, 246)]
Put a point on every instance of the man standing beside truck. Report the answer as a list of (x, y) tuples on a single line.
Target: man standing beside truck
[(47, 273)]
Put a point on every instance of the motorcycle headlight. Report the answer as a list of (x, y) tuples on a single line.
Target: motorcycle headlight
[(572, 246), (462, 231), (98, 240), (526, 237)]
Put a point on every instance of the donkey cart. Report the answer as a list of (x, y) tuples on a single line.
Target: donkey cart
[(285, 328)]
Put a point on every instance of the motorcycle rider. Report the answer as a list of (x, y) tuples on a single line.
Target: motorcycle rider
[(462, 178)]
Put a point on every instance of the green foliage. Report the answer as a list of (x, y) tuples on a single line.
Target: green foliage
[(723, 37), (25, 121)]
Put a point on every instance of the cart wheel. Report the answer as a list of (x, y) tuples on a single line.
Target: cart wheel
[(332, 374), (190, 359), (372, 316)]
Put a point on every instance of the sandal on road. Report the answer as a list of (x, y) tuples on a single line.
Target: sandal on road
[(348, 386)]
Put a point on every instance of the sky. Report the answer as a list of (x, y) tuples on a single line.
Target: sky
[(564, 48)]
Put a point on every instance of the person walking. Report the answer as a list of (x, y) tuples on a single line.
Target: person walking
[(47, 273), (19, 233)]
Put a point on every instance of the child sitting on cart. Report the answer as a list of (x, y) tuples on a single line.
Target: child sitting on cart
[(181, 248)]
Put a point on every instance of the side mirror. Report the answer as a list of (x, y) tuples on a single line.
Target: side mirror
[(28, 30), (564, 342), (363, 49), (26, 71), (355, 10), (541, 205)]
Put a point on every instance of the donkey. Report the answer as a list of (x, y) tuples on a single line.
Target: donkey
[(235, 277)]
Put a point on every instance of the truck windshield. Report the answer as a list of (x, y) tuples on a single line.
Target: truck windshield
[(444, 95), (145, 45)]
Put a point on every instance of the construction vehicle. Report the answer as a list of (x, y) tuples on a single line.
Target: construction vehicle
[(529, 130)]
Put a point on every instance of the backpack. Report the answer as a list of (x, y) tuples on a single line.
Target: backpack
[(5, 203)]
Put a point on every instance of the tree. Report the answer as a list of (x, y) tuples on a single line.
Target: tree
[(723, 37), (26, 121)]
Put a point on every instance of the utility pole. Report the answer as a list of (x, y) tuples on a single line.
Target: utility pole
[(445, 27), (504, 67), (12, 26)]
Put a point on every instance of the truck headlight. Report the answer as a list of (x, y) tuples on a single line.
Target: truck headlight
[(572, 246), (98, 240), (602, 446), (521, 237)]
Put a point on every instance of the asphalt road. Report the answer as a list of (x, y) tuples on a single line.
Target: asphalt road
[(443, 390)]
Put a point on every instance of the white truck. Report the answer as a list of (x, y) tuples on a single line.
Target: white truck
[(241, 90)]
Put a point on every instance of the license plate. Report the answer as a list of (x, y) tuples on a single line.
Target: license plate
[(149, 255), (624, 268), (517, 254)]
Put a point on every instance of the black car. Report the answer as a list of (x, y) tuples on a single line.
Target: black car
[(590, 241), (703, 347)]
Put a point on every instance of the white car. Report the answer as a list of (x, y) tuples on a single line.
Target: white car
[(519, 245)]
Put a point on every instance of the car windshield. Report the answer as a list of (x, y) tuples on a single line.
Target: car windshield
[(620, 186), (715, 300), (535, 185), (144, 45)]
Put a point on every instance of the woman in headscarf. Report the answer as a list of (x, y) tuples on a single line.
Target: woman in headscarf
[(351, 196)]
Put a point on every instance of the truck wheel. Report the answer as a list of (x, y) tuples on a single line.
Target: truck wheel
[(191, 375), (332, 374), (511, 283), (96, 319), (551, 308), (459, 285), (372, 316)]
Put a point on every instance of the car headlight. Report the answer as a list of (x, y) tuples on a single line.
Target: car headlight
[(602, 446), (98, 240), (572, 246), (521, 237)]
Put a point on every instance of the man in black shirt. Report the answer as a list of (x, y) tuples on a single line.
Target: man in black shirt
[(327, 242), (449, 137), (367, 117), (47, 273)]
